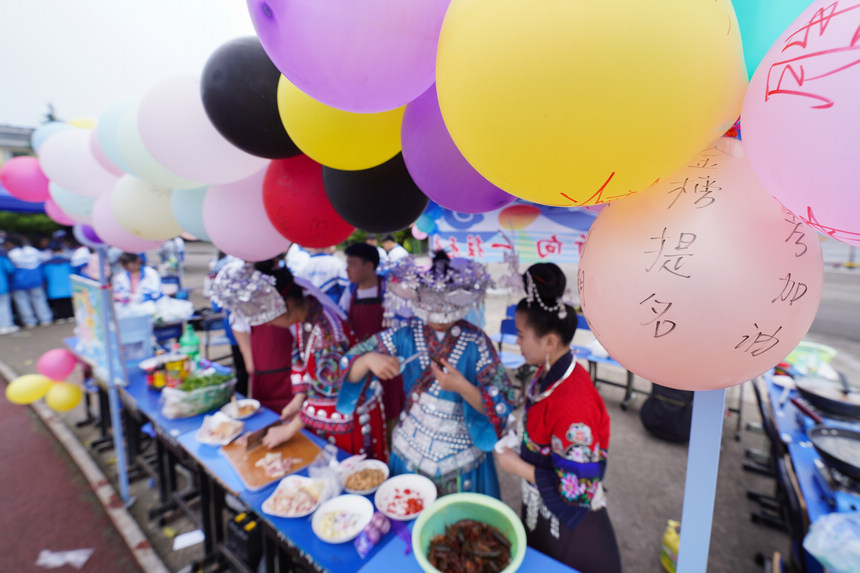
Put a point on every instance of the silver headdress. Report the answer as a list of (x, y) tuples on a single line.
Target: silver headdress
[(443, 293), (248, 293), (532, 295), (251, 294)]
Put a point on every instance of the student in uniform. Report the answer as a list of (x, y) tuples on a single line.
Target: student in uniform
[(58, 283)]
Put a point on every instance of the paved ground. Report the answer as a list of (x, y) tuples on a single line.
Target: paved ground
[(644, 481), (45, 502)]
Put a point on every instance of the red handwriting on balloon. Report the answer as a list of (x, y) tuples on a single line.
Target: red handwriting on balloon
[(839, 234), (794, 75)]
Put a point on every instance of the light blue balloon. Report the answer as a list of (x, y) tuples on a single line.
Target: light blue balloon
[(187, 207), (75, 206), (761, 22), (107, 131), (46, 130)]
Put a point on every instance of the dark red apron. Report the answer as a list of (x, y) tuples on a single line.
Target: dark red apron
[(365, 318), (272, 350)]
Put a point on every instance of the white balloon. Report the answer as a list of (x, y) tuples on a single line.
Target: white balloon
[(143, 209), (177, 132), (140, 161), (68, 161)]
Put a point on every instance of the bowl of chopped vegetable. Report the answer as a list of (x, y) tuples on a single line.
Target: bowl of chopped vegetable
[(403, 497), (464, 528)]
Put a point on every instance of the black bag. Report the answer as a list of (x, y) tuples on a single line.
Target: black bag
[(667, 413)]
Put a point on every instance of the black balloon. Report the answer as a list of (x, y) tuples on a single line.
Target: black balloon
[(239, 88), (381, 199)]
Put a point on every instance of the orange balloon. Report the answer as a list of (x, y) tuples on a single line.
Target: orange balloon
[(702, 281)]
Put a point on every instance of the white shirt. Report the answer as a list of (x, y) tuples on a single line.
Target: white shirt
[(149, 286), (397, 253), (326, 272), (296, 258)]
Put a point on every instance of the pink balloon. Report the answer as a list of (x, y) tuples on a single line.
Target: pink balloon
[(364, 56), (418, 233), (57, 364), (23, 178), (235, 220), (111, 232), (801, 116), (68, 161), (702, 281), (56, 214), (177, 133), (100, 156)]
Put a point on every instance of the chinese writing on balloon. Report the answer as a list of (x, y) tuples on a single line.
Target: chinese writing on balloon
[(792, 290), (797, 75), (758, 343), (839, 234), (796, 231), (701, 190), (674, 259), (662, 326)]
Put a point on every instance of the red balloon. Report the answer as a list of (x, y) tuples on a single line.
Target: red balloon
[(297, 205)]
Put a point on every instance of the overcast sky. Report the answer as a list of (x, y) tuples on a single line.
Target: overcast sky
[(83, 55)]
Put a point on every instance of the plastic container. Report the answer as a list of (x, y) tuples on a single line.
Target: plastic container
[(808, 357), (671, 539), (189, 344), (135, 337), (456, 506)]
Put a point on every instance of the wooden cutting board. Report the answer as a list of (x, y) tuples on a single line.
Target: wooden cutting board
[(255, 478)]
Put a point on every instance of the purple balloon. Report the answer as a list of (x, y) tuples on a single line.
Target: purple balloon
[(364, 56), (438, 167), (86, 235)]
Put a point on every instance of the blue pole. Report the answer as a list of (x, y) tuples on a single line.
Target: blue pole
[(700, 487), (112, 347)]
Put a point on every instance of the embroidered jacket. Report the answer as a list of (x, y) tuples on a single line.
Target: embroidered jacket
[(566, 438)]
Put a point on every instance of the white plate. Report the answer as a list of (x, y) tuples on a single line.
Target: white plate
[(356, 508), (204, 435), (227, 409), (368, 465), (290, 485), (416, 485)]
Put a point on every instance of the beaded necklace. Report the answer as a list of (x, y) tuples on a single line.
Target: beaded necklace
[(537, 398)]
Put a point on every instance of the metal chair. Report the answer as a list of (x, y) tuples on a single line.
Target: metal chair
[(593, 360)]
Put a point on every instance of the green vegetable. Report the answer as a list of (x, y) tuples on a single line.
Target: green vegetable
[(200, 380)]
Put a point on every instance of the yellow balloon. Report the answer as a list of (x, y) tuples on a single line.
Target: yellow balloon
[(83, 123), (337, 138), (28, 388), (579, 103), (63, 396)]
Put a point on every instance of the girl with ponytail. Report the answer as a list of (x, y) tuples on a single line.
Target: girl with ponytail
[(562, 457)]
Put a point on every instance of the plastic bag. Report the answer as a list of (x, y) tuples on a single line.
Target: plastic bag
[(835, 541), (169, 309), (326, 470), (179, 404)]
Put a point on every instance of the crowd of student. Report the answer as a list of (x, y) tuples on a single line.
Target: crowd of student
[(35, 277)]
